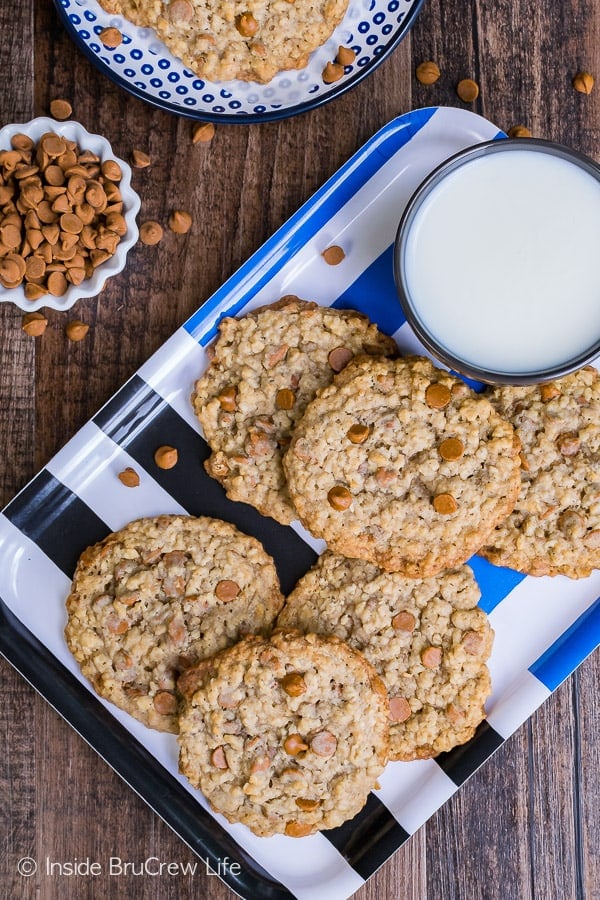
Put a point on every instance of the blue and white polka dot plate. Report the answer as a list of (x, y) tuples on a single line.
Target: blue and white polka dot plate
[(142, 65)]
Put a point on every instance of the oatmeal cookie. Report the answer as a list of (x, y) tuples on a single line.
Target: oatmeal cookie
[(400, 463), (554, 528), (266, 368), (287, 734), (250, 40), (160, 595), (427, 639)]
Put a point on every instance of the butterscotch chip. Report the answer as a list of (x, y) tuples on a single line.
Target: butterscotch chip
[(467, 90), (60, 109), (519, 131), (34, 291), (150, 232), (339, 357), (437, 395), (333, 255), (139, 159), (345, 56), (244, 400), (445, 504), (57, 286), (451, 449), (75, 330), (180, 221), (129, 477), (142, 607), (111, 37), (358, 434), (34, 324), (203, 132), (221, 43), (112, 170), (398, 476), (335, 731), (166, 457), (227, 590), (339, 497), (427, 72), (395, 622), (332, 72), (550, 529)]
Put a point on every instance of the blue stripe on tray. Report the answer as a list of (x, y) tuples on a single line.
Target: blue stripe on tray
[(569, 650), (495, 582), (311, 217), (140, 421), (374, 293)]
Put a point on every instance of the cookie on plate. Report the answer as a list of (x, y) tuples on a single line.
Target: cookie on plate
[(162, 594), (427, 639), (554, 528), (286, 735), (251, 41), (402, 464), (267, 366)]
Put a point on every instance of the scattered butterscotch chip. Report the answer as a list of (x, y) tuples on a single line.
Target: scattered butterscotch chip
[(166, 457), (294, 745), (339, 357), (583, 82), (60, 109), (404, 621), (519, 131), (451, 449), (227, 590), (129, 477), (76, 330), (111, 37), (180, 221), (427, 72), (339, 497), (437, 395), (34, 324), (285, 399), (203, 132), (139, 159), (333, 255), (293, 684), (332, 72), (400, 709), (150, 232), (345, 56), (445, 504), (357, 434), (324, 744), (467, 90), (431, 657), (218, 758)]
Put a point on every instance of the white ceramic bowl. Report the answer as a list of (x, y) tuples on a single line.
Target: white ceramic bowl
[(89, 287)]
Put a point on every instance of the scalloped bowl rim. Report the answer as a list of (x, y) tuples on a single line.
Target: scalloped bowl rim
[(87, 140)]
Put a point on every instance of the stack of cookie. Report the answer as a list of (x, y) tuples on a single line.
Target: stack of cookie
[(286, 716)]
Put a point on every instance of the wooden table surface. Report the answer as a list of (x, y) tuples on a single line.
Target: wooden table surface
[(527, 825)]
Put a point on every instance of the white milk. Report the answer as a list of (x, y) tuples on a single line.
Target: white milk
[(503, 261)]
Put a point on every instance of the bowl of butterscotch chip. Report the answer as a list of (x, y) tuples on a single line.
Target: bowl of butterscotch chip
[(67, 213)]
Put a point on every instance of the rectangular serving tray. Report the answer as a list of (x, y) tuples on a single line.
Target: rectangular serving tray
[(77, 499)]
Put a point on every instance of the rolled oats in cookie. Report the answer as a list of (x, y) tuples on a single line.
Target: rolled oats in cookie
[(157, 597), (438, 469), (427, 639), (287, 735), (251, 41), (266, 367), (554, 528)]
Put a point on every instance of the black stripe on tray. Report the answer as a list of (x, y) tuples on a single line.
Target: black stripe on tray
[(140, 421), (370, 838), (460, 763), (56, 519)]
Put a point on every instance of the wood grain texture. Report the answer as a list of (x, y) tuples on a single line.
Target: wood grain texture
[(525, 826)]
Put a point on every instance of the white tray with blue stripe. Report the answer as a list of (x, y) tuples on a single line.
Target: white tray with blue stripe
[(545, 627)]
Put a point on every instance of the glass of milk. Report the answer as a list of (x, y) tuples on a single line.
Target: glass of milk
[(497, 261)]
